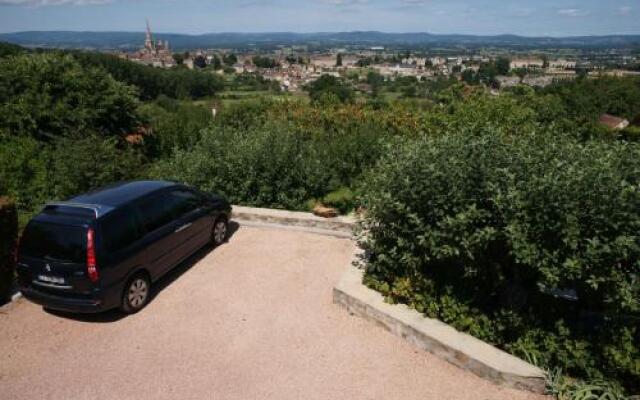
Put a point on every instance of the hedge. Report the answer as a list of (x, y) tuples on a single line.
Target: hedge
[(529, 241), (8, 237)]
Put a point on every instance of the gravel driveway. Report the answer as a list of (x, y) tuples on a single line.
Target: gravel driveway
[(252, 319)]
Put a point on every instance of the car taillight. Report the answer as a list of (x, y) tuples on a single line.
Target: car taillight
[(92, 267)]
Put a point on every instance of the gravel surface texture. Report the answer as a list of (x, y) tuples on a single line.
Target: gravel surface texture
[(252, 319)]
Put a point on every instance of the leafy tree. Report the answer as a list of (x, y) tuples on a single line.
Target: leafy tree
[(265, 62), (229, 59), (376, 81), (8, 49), (152, 82), (339, 60), (487, 73), (587, 99), (216, 63), (50, 95), (200, 61), (178, 58), (330, 85), (503, 66)]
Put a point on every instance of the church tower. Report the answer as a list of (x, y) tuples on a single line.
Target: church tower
[(148, 42)]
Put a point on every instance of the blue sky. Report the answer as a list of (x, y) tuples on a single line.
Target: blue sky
[(487, 17)]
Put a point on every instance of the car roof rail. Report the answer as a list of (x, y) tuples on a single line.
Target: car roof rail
[(98, 210)]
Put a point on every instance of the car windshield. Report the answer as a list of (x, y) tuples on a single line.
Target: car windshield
[(54, 242)]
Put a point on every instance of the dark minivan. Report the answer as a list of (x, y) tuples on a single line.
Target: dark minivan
[(104, 249)]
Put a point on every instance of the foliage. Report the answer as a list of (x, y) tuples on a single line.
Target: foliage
[(268, 166), (280, 154), (586, 99), (265, 62), (250, 82), (34, 172), (564, 388), (342, 199), (329, 86), (631, 133), (490, 226), (48, 95), (503, 65), (8, 237), (173, 124), (8, 49), (229, 59), (152, 82)]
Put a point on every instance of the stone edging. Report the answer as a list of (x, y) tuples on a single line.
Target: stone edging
[(343, 226), (436, 337)]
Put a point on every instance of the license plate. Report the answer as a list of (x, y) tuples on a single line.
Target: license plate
[(50, 279)]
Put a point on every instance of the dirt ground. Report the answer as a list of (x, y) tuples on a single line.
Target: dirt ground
[(252, 319)]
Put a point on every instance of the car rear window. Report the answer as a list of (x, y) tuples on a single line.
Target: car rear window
[(54, 242)]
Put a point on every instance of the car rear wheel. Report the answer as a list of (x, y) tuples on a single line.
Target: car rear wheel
[(136, 294), (220, 229)]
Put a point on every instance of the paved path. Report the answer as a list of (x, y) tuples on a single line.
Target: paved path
[(252, 319)]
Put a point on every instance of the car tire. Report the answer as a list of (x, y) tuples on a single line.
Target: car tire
[(136, 293), (219, 231)]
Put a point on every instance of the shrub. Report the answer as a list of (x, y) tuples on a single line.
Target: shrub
[(49, 95), (33, 172), (330, 86), (174, 124), (8, 237), (342, 199), (268, 166), (491, 232), (302, 153)]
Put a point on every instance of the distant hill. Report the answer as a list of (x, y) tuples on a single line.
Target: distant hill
[(133, 40)]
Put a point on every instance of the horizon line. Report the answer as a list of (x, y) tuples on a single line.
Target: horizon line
[(328, 33)]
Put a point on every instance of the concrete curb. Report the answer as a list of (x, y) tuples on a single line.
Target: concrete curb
[(317, 231), (342, 226), (436, 337)]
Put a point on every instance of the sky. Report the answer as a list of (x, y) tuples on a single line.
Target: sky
[(482, 17)]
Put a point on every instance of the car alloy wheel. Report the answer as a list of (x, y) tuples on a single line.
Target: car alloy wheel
[(138, 293), (219, 232)]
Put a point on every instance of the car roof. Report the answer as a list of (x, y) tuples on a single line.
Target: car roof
[(120, 193), (84, 208)]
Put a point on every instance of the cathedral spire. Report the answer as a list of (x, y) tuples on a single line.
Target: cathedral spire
[(148, 42)]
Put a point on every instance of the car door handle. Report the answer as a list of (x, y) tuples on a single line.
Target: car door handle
[(183, 227)]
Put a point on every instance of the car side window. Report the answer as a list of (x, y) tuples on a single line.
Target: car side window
[(183, 201), (120, 229), (155, 212)]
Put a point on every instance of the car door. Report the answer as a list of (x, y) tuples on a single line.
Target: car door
[(122, 249), (192, 221), (157, 219)]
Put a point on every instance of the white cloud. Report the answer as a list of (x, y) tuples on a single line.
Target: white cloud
[(344, 2), (42, 3), (625, 11), (573, 12), (415, 2)]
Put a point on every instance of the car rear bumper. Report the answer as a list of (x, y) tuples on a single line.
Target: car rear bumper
[(60, 302)]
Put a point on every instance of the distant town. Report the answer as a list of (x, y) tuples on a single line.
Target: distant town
[(295, 66)]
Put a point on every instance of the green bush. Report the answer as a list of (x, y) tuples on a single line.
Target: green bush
[(302, 153), (342, 199), (267, 166), (497, 234), (33, 172), (8, 237), (174, 124), (50, 95)]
